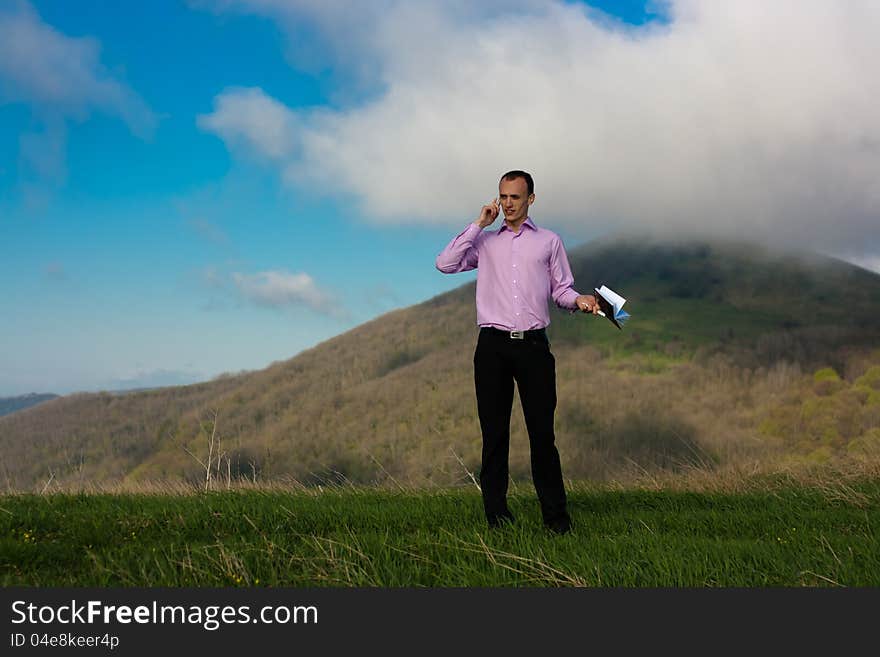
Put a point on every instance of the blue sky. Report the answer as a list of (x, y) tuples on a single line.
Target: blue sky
[(183, 188)]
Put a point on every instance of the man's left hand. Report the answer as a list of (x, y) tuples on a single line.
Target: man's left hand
[(587, 303)]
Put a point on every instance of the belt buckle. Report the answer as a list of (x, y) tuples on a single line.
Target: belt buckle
[(518, 335)]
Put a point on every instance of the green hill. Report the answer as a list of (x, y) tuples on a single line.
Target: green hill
[(723, 339), (710, 294)]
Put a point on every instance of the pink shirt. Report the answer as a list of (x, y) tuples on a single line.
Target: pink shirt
[(516, 273)]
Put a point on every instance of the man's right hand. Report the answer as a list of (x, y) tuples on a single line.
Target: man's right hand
[(488, 214)]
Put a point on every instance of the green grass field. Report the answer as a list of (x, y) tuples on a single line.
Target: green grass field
[(783, 535)]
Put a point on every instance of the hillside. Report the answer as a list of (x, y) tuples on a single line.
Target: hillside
[(722, 338)]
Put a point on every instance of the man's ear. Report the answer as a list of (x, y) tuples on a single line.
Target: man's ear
[(531, 198)]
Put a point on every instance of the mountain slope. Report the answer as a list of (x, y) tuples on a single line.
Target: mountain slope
[(719, 336)]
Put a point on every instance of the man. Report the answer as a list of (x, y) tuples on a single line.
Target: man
[(518, 267)]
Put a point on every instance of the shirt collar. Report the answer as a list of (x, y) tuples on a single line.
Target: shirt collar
[(528, 222)]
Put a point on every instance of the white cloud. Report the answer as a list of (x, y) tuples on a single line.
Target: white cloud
[(281, 288), (749, 118), (250, 118), (60, 78), (871, 263)]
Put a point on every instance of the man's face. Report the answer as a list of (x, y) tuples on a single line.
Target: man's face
[(514, 198)]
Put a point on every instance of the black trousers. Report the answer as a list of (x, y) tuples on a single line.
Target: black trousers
[(499, 360)]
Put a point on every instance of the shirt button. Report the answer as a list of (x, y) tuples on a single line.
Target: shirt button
[(514, 280)]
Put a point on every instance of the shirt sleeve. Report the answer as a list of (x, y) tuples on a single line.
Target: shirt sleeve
[(462, 253), (561, 278)]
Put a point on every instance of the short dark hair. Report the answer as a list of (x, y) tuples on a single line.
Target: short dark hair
[(516, 173)]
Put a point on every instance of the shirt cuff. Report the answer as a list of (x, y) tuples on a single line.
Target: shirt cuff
[(569, 299)]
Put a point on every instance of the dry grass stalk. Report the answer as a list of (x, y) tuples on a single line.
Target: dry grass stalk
[(533, 570)]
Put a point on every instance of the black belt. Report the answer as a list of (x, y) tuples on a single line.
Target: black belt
[(541, 334)]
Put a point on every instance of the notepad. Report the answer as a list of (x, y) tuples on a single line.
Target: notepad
[(611, 305)]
